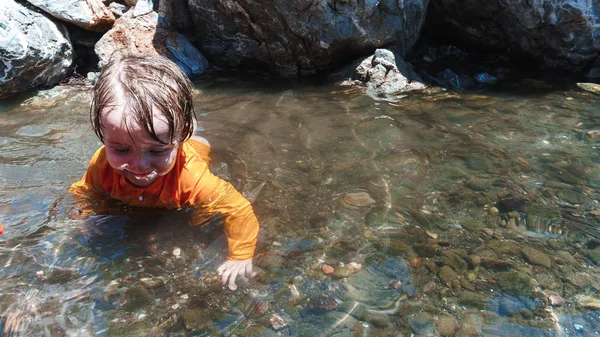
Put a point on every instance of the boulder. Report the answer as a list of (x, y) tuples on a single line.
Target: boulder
[(89, 14), (302, 36), (145, 31), (557, 33), (384, 75), (34, 50)]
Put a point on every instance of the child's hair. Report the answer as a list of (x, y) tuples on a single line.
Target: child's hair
[(145, 84)]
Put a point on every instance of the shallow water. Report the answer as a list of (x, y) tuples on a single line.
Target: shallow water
[(442, 213)]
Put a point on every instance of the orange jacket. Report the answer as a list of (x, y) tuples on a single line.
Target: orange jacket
[(189, 183)]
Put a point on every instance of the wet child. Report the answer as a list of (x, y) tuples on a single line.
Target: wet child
[(142, 112)]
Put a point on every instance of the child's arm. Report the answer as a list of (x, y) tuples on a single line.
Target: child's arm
[(212, 195)]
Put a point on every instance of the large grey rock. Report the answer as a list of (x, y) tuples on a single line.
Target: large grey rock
[(89, 14), (384, 75), (302, 36), (558, 33), (34, 50), (142, 30)]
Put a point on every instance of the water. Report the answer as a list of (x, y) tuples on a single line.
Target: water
[(441, 214)]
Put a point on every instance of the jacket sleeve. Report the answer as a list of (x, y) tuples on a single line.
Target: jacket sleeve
[(210, 195)]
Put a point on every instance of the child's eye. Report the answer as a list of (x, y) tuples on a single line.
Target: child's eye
[(121, 150), (159, 152)]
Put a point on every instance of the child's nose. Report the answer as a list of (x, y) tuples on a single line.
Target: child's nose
[(142, 162)]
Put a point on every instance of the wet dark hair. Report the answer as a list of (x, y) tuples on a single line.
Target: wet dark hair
[(143, 83)]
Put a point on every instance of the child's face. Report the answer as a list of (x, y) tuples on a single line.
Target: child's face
[(133, 153)]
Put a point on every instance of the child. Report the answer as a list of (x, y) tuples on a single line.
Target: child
[(143, 114)]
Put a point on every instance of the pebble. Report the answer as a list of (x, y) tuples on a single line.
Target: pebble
[(177, 252), (327, 269), (359, 199), (556, 301)]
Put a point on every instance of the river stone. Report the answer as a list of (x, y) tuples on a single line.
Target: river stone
[(89, 14), (472, 224), (376, 317), (446, 325), (322, 303), (137, 298), (591, 87), (536, 257), (572, 197), (447, 275), (35, 51), (359, 199), (302, 37), (150, 34), (421, 324), (196, 320), (594, 255), (516, 283), (558, 33), (588, 302), (473, 300)]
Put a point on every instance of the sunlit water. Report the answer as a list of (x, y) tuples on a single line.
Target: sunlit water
[(443, 213)]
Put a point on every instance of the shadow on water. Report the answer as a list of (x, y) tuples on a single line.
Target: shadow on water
[(443, 213)]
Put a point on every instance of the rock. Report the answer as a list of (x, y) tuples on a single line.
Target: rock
[(196, 320), (473, 300), (150, 34), (447, 275), (556, 301), (485, 78), (137, 297), (35, 51), (472, 224), (278, 322), (359, 199), (385, 76), (516, 283), (590, 87), (522, 27), (117, 9), (446, 325), (376, 317), (588, 302), (299, 37), (89, 14), (327, 269), (341, 272), (321, 303), (535, 257)]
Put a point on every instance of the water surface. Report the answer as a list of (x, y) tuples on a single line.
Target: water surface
[(442, 213)]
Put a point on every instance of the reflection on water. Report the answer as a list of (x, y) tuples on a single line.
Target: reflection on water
[(439, 214)]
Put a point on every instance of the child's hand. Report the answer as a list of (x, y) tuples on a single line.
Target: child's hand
[(231, 269)]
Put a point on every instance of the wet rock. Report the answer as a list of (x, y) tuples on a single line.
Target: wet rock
[(588, 302), (196, 320), (341, 272), (594, 255), (278, 322), (421, 324), (446, 325), (511, 203), (590, 87), (322, 303), (535, 257), (515, 283), (572, 197), (327, 269), (592, 136), (90, 14), (472, 224), (473, 300), (359, 199), (556, 301), (137, 297), (426, 250), (447, 275), (151, 282), (376, 317), (479, 184), (471, 325), (453, 260)]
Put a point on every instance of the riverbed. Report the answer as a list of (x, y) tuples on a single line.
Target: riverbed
[(439, 213)]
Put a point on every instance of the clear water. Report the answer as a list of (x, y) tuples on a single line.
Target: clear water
[(441, 214)]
